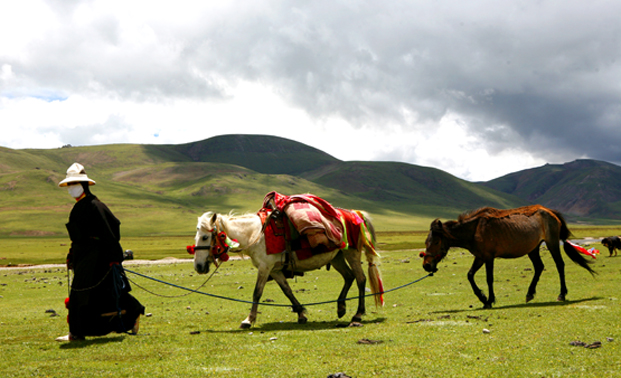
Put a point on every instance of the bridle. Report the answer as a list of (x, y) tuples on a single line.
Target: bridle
[(443, 251), (437, 258), (219, 248)]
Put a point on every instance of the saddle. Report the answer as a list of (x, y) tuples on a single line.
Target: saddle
[(303, 224), (307, 225)]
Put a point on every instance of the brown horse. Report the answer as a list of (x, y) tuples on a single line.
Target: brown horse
[(489, 233)]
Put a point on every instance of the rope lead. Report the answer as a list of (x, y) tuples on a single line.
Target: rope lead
[(259, 303)]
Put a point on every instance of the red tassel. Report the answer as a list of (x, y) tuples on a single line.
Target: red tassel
[(592, 252)]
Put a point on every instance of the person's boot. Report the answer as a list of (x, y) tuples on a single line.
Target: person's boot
[(136, 326), (70, 337)]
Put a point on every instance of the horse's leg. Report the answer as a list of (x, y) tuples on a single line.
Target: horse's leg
[(262, 277), (555, 251), (348, 276), (476, 265), (489, 270), (535, 258), (280, 278), (353, 259)]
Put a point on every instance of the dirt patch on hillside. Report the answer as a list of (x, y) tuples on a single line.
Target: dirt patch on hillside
[(9, 185)]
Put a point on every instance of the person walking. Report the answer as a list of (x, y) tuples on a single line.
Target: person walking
[(99, 301)]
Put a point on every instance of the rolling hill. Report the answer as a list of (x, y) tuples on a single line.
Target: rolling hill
[(161, 189), (582, 188), (260, 153)]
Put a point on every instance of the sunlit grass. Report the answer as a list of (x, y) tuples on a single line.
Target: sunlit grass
[(429, 329)]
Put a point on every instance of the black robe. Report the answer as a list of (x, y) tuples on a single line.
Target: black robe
[(99, 285)]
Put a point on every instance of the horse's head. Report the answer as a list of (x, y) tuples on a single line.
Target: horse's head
[(211, 243), (203, 242), (436, 247)]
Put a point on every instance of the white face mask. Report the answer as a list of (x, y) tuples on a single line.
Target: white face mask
[(75, 191)]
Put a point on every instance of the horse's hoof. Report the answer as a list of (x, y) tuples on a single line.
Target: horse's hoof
[(302, 320), (245, 325), (356, 319), (561, 298), (341, 313), (529, 298), (487, 306)]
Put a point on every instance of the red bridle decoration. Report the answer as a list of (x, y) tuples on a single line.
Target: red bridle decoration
[(219, 248), (437, 257)]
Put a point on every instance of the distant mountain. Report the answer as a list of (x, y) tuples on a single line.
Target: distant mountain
[(410, 188), (260, 153), (162, 188), (399, 186), (406, 187), (584, 188)]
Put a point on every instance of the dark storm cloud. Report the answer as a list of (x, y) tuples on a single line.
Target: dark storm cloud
[(105, 56), (539, 76)]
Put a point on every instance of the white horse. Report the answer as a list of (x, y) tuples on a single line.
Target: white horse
[(213, 228)]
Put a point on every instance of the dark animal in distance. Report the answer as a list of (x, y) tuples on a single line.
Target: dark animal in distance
[(612, 243), (489, 233)]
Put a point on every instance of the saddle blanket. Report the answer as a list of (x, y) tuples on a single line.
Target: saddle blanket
[(313, 225)]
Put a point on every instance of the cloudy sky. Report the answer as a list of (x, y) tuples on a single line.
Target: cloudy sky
[(476, 88)]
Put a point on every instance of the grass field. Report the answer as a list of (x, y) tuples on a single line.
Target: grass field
[(433, 328)]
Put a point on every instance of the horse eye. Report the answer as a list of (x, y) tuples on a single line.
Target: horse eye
[(205, 237)]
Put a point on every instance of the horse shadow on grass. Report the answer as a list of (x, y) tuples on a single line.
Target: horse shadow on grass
[(293, 326), (522, 305), (90, 342)]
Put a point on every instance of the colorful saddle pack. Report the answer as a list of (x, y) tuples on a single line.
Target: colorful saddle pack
[(309, 225)]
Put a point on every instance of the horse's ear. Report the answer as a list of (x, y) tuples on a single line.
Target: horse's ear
[(436, 225), (214, 217)]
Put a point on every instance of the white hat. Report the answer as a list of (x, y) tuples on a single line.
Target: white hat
[(76, 173)]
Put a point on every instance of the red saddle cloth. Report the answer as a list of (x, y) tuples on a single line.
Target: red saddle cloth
[(308, 216)]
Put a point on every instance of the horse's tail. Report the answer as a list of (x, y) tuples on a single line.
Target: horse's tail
[(572, 252), (367, 231), (577, 257), (565, 233)]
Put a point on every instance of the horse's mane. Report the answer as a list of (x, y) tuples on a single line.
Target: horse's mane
[(490, 212), (204, 221)]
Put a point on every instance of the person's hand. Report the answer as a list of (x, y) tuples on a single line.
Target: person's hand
[(70, 260)]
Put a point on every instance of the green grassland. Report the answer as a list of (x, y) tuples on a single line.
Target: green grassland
[(433, 328), (161, 189), (166, 199)]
